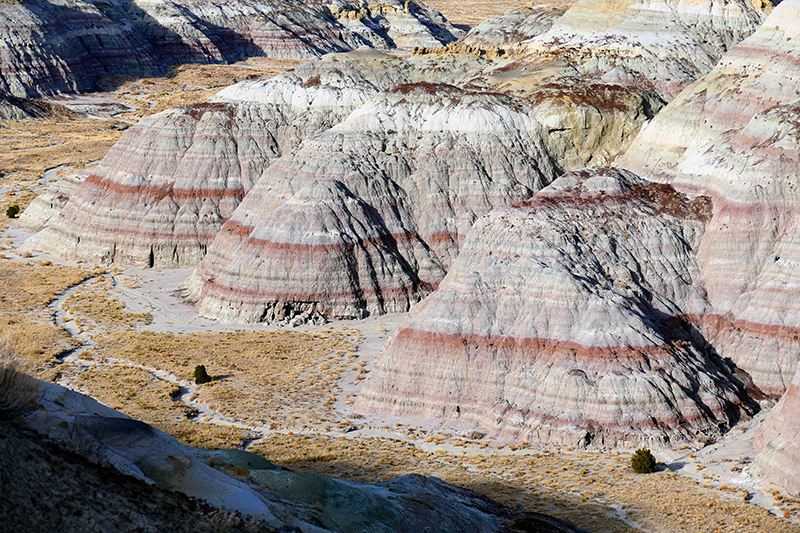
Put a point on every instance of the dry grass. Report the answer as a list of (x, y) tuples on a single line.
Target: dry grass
[(31, 286), (279, 378), (17, 389), (141, 395), (93, 306), (26, 291)]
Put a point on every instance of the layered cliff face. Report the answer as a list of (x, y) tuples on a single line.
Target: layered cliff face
[(162, 193), (50, 47), (564, 319), (733, 137), (366, 217)]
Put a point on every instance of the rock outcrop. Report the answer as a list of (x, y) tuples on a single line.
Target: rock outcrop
[(733, 137), (142, 463), (51, 47), (566, 318), (366, 217)]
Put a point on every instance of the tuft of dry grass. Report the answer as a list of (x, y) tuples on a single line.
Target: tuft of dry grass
[(17, 390), (92, 302)]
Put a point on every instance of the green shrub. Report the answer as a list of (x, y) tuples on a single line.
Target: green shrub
[(200, 375), (12, 211), (643, 461)]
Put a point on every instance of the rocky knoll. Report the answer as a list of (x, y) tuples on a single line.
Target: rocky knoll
[(87, 456), (733, 136), (565, 319), (49, 47), (365, 217), (161, 194)]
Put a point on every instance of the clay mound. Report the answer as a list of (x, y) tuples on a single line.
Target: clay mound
[(163, 192), (366, 217), (565, 319), (52, 47), (733, 137)]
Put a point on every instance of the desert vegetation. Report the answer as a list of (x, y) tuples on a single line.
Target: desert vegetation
[(17, 389)]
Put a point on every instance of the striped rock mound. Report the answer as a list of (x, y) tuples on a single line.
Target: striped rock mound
[(366, 217), (564, 319), (163, 192), (51, 47), (733, 137)]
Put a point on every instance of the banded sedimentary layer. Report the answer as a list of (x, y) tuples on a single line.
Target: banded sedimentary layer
[(50, 47), (778, 442), (360, 118), (565, 318), (366, 217), (161, 194), (733, 137)]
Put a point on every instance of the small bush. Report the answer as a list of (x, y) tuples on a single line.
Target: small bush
[(643, 461), (200, 375), (12, 211), (17, 390)]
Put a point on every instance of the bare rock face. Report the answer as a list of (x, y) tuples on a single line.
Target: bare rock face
[(163, 192), (666, 43), (778, 442), (564, 319), (366, 217), (733, 137), (50, 47)]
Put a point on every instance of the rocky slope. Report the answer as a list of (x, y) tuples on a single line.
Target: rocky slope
[(777, 442), (94, 455), (667, 43), (50, 47), (733, 137), (564, 319)]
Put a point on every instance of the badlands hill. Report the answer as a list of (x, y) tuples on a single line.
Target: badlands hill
[(563, 320), (367, 171), (52, 47)]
